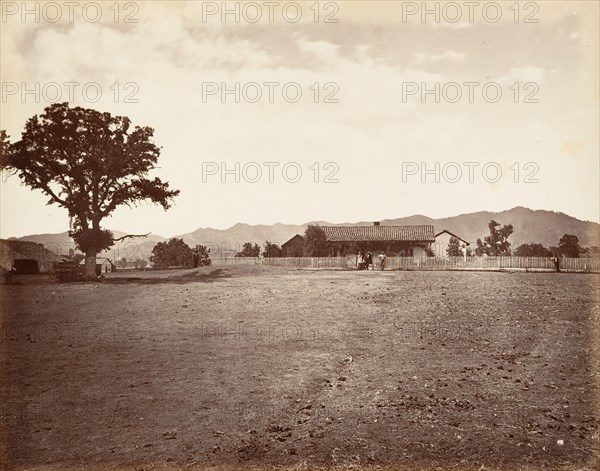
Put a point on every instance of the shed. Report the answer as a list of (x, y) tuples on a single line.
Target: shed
[(103, 265), (442, 240), (27, 257), (274, 251), (293, 247)]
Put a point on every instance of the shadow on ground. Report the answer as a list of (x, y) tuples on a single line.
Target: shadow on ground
[(190, 277)]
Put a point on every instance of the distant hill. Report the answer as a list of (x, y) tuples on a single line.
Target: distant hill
[(529, 225), (542, 226), (129, 248)]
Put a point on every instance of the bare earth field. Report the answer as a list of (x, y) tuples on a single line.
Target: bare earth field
[(260, 367)]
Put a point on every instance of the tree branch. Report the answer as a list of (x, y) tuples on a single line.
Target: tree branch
[(132, 235)]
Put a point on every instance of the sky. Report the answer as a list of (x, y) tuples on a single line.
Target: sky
[(300, 111)]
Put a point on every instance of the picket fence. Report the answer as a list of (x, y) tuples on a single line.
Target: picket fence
[(235, 261), (440, 263)]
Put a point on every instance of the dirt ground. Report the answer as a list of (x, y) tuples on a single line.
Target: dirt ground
[(260, 367)]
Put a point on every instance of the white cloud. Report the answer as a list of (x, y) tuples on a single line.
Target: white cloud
[(369, 132), (523, 74), (446, 24), (426, 58), (321, 50)]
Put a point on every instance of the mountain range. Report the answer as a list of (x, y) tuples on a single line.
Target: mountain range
[(530, 226)]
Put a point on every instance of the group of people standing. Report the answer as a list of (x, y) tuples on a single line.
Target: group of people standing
[(365, 262)]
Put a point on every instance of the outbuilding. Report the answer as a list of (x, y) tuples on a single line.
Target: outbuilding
[(26, 257), (442, 241), (103, 265), (293, 247)]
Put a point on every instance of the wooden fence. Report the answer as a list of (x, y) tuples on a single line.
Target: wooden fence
[(291, 262), (235, 261), (439, 263), (307, 262)]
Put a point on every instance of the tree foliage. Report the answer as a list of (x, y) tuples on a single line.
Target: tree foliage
[(89, 163), (249, 250), (140, 263), (4, 149), (174, 253), (315, 242), (203, 255), (496, 244), (454, 249), (568, 245), (533, 250)]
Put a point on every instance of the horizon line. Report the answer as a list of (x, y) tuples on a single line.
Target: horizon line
[(317, 222)]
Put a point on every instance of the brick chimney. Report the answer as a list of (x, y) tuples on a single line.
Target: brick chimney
[(376, 223)]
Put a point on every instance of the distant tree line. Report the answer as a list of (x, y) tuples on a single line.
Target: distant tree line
[(497, 244), (568, 246), (137, 264), (249, 249)]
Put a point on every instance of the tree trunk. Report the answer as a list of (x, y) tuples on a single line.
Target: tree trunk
[(90, 253), (90, 263)]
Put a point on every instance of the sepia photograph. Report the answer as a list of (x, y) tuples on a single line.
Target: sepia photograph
[(300, 235)]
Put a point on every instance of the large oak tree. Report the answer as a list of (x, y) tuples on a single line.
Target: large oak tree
[(89, 163)]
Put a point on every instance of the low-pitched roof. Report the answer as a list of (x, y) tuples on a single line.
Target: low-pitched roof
[(423, 233), (99, 261), (453, 235), (291, 239), (32, 250)]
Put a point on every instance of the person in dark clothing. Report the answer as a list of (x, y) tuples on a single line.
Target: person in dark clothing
[(556, 260), (369, 260), (196, 259)]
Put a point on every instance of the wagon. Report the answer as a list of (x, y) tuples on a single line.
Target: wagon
[(69, 271)]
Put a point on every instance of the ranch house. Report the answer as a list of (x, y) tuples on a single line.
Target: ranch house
[(406, 241)]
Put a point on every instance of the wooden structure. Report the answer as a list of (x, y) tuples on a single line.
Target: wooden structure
[(69, 271), (408, 241), (524, 264), (293, 247), (103, 265), (442, 240), (27, 257), (274, 251)]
